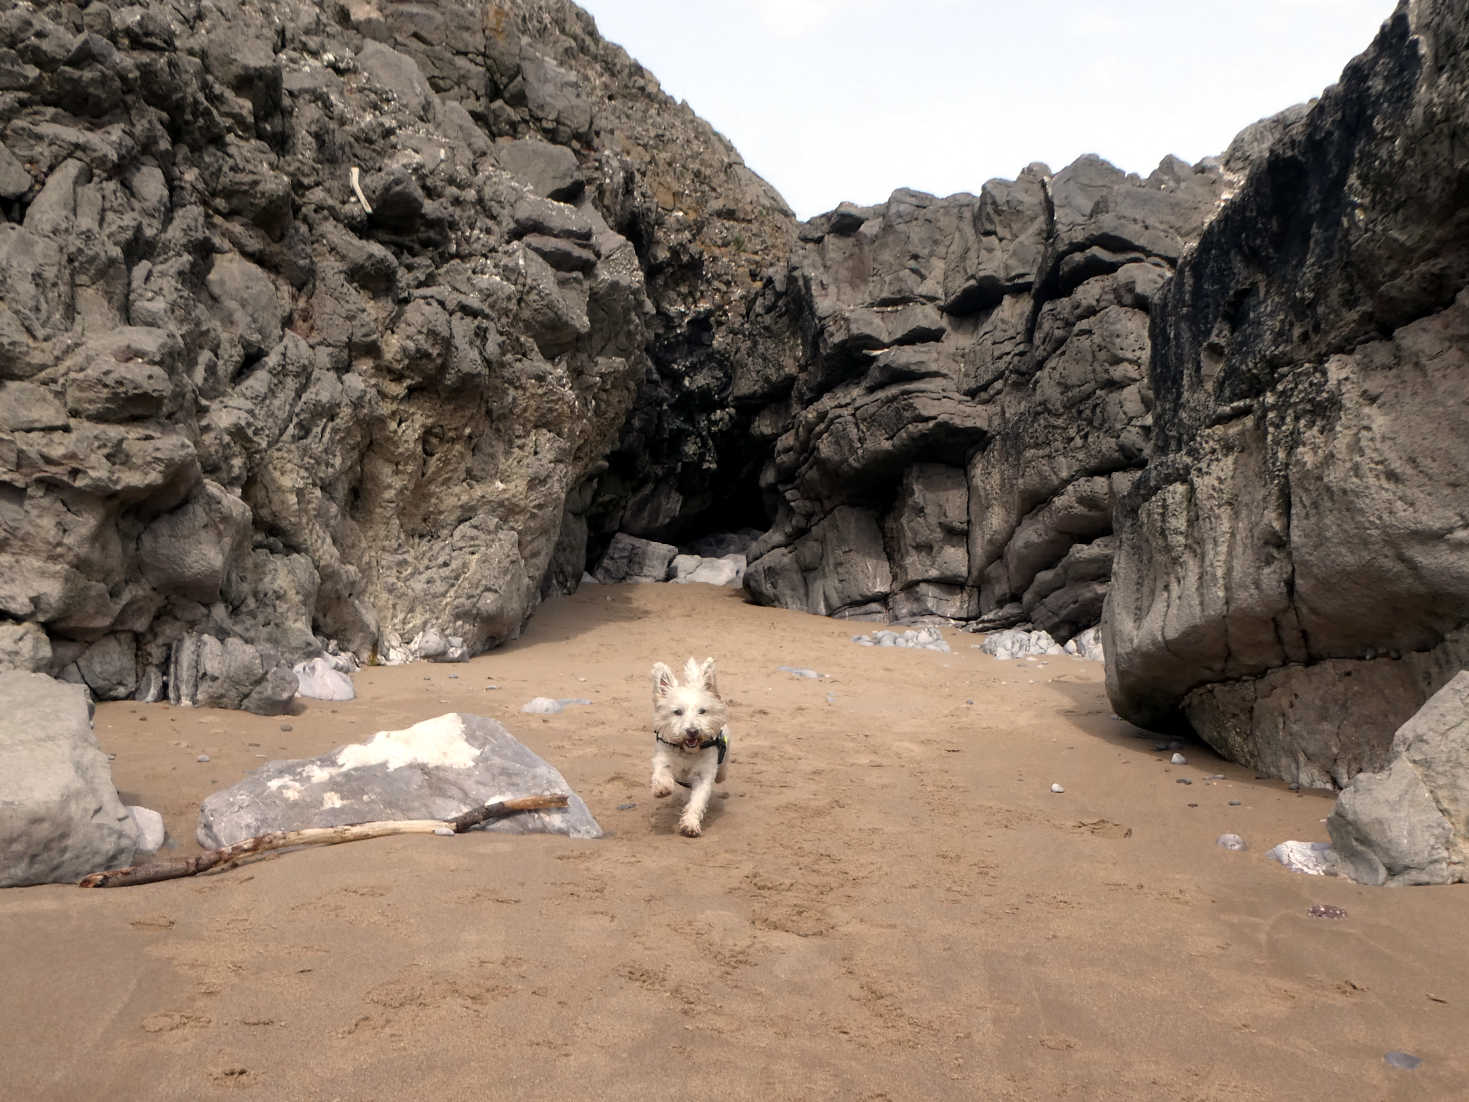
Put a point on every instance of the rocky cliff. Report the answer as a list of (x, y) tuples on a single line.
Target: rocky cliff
[(972, 399), (318, 322), (1292, 570)]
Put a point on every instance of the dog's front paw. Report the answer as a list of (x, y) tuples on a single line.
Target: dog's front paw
[(662, 788), (690, 828)]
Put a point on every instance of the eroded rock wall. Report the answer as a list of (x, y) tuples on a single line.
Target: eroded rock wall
[(973, 398), (1292, 572), (318, 320)]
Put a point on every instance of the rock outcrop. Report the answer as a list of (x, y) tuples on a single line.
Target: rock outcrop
[(1292, 568), (60, 816), (318, 321), (1409, 824), (973, 399)]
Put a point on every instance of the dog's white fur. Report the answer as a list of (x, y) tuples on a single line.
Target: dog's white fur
[(684, 717)]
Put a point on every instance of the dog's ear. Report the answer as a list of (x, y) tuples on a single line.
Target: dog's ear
[(706, 676), (663, 681)]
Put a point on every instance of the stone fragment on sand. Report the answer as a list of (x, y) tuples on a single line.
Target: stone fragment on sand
[(1057, 788), (1178, 759), (1232, 842), (151, 831), (433, 770), (1405, 1060), (318, 679), (799, 671), (549, 706), (1311, 858)]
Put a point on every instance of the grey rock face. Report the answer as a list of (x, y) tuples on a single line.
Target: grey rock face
[(1290, 575), (60, 816), (433, 770), (972, 399), (319, 322), (1409, 824)]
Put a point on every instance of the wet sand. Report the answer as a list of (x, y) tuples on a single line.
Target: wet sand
[(888, 902)]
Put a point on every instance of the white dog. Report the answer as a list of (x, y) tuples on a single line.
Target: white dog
[(691, 736)]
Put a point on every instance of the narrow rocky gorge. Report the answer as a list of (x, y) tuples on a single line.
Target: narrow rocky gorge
[(363, 327)]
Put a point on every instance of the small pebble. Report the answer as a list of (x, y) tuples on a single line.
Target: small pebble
[(799, 671), (202, 758), (444, 832), (111, 757), (1193, 805), (453, 677), (1234, 803), (1178, 759), (1403, 1060), (1057, 788), (626, 807), (1294, 787), (1326, 910), (1183, 780), (1232, 841), (1160, 746), (287, 727)]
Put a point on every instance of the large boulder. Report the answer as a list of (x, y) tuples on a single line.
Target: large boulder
[(60, 816), (1410, 823), (433, 770), (972, 400), (1290, 576)]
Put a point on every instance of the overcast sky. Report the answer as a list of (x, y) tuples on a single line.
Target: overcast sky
[(834, 100)]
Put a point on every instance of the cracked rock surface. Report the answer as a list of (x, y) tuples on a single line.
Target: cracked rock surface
[(1292, 568)]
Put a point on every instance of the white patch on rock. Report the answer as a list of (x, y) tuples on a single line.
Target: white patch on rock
[(436, 742), (330, 800), (1311, 858), (288, 788)]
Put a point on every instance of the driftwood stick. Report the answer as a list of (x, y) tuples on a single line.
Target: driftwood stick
[(312, 836), (501, 808)]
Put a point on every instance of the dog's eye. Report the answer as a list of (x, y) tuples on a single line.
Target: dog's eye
[(701, 711), (678, 711)]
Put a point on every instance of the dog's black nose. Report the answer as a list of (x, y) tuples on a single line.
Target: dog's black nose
[(692, 732)]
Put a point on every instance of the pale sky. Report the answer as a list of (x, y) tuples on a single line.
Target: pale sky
[(834, 100)]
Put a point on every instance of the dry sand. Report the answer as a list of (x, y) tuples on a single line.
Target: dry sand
[(888, 902)]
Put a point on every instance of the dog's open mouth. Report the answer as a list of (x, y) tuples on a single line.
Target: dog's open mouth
[(691, 742)]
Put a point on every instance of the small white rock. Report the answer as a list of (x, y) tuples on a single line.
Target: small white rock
[(1232, 841), (1178, 759), (202, 758), (1057, 788)]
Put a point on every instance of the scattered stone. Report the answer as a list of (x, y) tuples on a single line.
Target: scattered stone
[(202, 758), (1178, 759), (1015, 643), (626, 806), (927, 637), (1183, 780), (1405, 1060), (1087, 645), (1057, 788), (286, 727), (151, 831), (1232, 842), (728, 570), (1311, 858), (1326, 910), (319, 679), (433, 770), (799, 671), (630, 559), (548, 706), (1234, 803)]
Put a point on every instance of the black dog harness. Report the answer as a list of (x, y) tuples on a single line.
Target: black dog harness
[(720, 740)]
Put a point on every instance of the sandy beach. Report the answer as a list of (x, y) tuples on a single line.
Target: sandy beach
[(889, 902)]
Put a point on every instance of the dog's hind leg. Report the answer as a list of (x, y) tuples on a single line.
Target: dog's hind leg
[(691, 822)]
